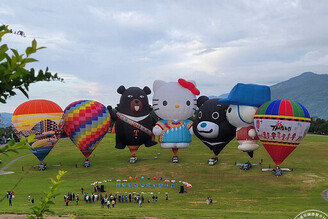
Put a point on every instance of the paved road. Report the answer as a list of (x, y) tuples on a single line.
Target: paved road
[(3, 172), (324, 195)]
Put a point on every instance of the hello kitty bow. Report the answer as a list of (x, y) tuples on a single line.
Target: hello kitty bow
[(188, 85)]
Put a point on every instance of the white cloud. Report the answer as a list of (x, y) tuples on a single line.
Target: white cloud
[(130, 19), (6, 11)]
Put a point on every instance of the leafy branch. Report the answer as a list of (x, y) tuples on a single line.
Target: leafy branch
[(46, 202), (13, 147), (13, 74)]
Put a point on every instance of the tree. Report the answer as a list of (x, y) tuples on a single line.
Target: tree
[(319, 126), (13, 72)]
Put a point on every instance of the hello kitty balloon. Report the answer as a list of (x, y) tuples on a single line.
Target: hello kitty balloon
[(174, 103)]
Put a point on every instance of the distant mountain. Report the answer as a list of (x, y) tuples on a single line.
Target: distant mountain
[(219, 97), (309, 89), (5, 119)]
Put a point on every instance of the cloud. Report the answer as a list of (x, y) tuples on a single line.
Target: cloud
[(129, 19), (6, 11), (100, 45)]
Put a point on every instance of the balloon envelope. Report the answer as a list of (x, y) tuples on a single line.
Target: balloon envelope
[(86, 123), (43, 118), (281, 125)]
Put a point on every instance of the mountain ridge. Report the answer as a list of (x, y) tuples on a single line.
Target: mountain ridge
[(309, 89)]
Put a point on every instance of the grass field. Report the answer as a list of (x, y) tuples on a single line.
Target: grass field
[(247, 194)]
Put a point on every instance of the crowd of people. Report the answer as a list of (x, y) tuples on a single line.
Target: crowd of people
[(105, 199), (108, 199)]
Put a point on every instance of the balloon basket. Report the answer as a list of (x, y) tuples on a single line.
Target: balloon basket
[(133, 159), (278, 171), (42, 166), (212, 161), (86, 163), (175, 159)]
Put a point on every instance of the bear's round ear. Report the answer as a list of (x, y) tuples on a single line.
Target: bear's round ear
[(201, 100), (147, 90), (121, 89)]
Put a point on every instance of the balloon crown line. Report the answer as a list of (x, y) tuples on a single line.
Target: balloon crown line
[(142, 177)]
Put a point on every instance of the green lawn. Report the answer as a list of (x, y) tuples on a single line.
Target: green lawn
[(247, 194)]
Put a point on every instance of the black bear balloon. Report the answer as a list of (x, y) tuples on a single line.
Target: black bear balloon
[(211, 125), (133, 123)]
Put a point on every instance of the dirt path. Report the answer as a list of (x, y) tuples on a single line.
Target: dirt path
[(21, 216), (3, 172)]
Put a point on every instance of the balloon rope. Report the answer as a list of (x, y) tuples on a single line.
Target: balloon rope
[(133, 123)]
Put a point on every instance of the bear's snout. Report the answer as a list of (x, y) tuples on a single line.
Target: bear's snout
[(136, 106)]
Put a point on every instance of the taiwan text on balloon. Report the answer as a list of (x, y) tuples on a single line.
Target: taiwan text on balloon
[(281, 125)]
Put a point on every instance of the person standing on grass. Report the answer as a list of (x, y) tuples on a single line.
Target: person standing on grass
[(113, 203), (108, 203), (29, 197), (86, 198), (140, 202), (9, 196), (102, 203)]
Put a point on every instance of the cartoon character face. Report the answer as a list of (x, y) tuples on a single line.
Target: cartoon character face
[(171, 101), (134, 101), (211, 121), (240, 115)]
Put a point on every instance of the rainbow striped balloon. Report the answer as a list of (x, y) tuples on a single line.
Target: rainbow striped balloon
[(86, 123), (281, 125)]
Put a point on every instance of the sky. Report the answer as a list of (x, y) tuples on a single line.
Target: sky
[(96, 46)]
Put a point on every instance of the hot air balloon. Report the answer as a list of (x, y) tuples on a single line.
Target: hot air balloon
[(212, 127), (43, 118), (133, 122), (281, 125), (244, 101), (86, 123), (174, 103)]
